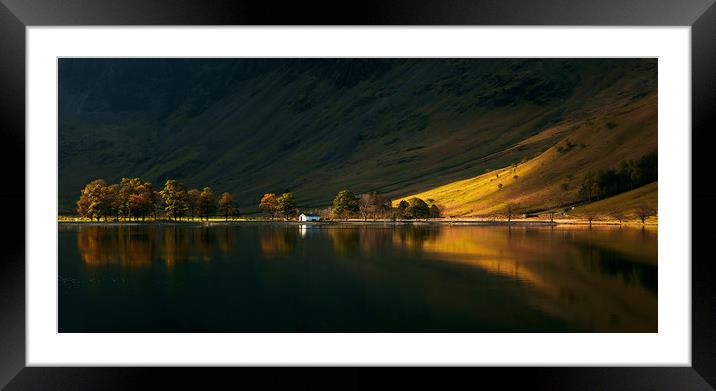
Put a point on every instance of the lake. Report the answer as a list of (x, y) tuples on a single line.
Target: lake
[(274, 277)]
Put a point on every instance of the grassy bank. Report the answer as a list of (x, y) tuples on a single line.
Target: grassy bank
[(486, 221)]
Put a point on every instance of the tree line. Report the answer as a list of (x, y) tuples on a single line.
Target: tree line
[(284, 205), (135, 199), (377, 206), (628, 175)]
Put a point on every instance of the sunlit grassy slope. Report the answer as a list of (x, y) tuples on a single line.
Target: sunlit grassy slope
[(625, 202), (315, 126), (599, 141)]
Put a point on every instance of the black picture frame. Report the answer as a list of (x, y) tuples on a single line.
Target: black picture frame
[(16, 15)]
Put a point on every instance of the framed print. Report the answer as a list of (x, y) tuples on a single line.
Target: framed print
[(448, 184)]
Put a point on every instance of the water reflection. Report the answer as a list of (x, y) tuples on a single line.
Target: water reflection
[(99, 246), (279, 242), (584, 276), (138, 246), (374, 278)]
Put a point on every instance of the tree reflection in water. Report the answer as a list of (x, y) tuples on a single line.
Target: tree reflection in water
[(405, 278), (138, 246), (278, 241)]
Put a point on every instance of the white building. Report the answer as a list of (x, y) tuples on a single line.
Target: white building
[(308, 217)]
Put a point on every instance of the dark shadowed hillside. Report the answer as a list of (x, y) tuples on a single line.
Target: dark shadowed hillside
[(314, 126)]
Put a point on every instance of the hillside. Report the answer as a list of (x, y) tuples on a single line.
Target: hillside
[(600, 141), (627, 201), (314, 126)]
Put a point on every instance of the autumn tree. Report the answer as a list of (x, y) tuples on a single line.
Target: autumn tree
[(93, 203), (643, 212), (158, 203), (417, 209), (83, 204), (226, 205), (269, 204), (286, 204), (127, 187), (207, 203), (344, 204), (114, 202), (143, 201), (192, 201), (136, 203)]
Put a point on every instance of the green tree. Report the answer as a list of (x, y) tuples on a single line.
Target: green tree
[(417, 209), (434, 208), (434, 211), (183, 197), (174, 198), (344, 204), (286, 203), (207, 203), (226, 205), (400, 210)]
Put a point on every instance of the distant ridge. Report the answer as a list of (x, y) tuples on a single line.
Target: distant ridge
[(314, 126)]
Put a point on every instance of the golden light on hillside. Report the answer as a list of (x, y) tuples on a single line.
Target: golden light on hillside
[(563, 283)]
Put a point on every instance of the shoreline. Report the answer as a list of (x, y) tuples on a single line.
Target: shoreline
[(435, 222)]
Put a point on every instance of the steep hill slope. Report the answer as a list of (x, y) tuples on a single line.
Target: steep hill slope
[(628, 201), (314, 126), (600, 141)]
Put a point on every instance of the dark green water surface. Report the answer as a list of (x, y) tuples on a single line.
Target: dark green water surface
[(356, 278)]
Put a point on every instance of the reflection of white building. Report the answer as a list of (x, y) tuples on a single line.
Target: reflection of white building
[(308, 217)]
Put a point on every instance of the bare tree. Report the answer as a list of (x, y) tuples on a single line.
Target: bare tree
[(373, 205), (510, 211), (617, 215), (643, 212), (551, 213), (552, 209), (365, 205), (590, 216)]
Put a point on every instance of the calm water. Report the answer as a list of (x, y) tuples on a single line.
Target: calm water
[(291, 278)]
